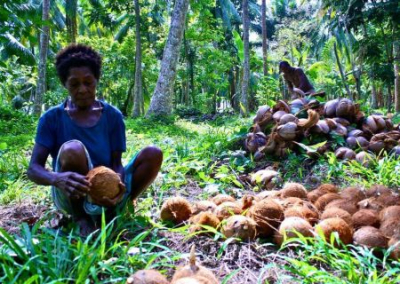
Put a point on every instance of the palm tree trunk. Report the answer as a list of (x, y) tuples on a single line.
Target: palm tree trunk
[(44, 44), (341, 71), (396, 62), (264, 37), (246, 64), (138, 88), (161, 101), (70, 19), (374, 99)]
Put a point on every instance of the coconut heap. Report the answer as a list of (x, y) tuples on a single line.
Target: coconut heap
[(192, 273), (282, 127), (369, 218)]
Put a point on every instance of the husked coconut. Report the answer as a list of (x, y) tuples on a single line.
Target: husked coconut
[(353, 193), (176, 210), (268, 214), (268, 179), (303, 211), (239, 226), (292, 189), (313, 195), (278, 115), (371, 203), (227, 209), (255, 140), (268, 194), (357, 142), (263, 116), (321, 190), (394, 244), (288, 131), (147, 276), (247, 201), (370, 237), (344, 153), (390, 212), (104, 183), (365, 217), (288, 117), (203, 205), (328, 188), (221, 198), (388, 199), (345, 108), (194, 270), (204, 218), (365, 158), (192, 280), (291, 201), (377, 190), (390, 227), (337, 213), (331, 225), (330, 108), (346, 205), (291, 227), (325, 199)]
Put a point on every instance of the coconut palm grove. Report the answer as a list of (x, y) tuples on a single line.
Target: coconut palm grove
[(200, 141)]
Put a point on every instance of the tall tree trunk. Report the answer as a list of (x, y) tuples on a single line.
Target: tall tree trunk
[(44, 44), (264, 37), (186, 84), (244, 108), (161, 101), (374, 99), (70, 19), (396, 63), (389, 97), (138, 89), (341, 71)]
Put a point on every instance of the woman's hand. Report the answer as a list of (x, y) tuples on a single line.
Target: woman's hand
[(73, 184), (111, 202)]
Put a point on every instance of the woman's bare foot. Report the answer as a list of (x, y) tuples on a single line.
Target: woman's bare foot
[(86, 226)]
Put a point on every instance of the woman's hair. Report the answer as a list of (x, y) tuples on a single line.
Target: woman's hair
[(77, 55)]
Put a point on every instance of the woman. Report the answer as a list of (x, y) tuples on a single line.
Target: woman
[(82, 133)]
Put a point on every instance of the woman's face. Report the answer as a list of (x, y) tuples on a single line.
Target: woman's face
[(81, 85)]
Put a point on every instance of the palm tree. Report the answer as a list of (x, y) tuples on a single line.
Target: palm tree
[(161, 101), (138, 89), (71, 7), (44, 43), (246, 63)]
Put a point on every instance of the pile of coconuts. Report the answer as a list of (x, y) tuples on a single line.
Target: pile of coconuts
[(280, 128), (192, 273), (369, 218)]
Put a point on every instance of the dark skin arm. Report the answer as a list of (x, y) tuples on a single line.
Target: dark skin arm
[(72, 183)]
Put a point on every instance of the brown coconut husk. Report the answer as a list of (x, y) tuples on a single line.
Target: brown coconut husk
[(370, 237), (202, 206), (290, 202), (104, 183), (291, 227), (192, 280), (325, 199), (147, 276), (221, 198), (227, 209), (247, 201), (328, 188), (390, 227), (389, 212), (337, 213), (239, 226), (268, 214), (204, 218), (293, 190), (346, 205), (388, 199), (394, 244), (377, 190), (328, 226), (365, 217), (313, 195), (268, 194), (176, 210), (371, 203), (303, 211), (353, 193), (194, 270)]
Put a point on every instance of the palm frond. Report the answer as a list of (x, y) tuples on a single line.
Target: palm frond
[(13, 47)]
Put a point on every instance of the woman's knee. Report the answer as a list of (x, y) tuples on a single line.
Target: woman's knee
[(152, 154), (73, 156)]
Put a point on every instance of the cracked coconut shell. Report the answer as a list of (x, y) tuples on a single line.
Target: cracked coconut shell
[(194, 271), (267, 214), (370, 237), (239, 226), (331, 225), (176, 210), (147, 276), (104, 183), (291, 227)]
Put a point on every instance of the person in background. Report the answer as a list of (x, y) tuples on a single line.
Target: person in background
[(297, 82), (84, 132)]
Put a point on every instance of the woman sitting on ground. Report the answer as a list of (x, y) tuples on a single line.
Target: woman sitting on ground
[(82, 133)]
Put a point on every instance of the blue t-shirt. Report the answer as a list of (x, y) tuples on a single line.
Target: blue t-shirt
[(106, 136)]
